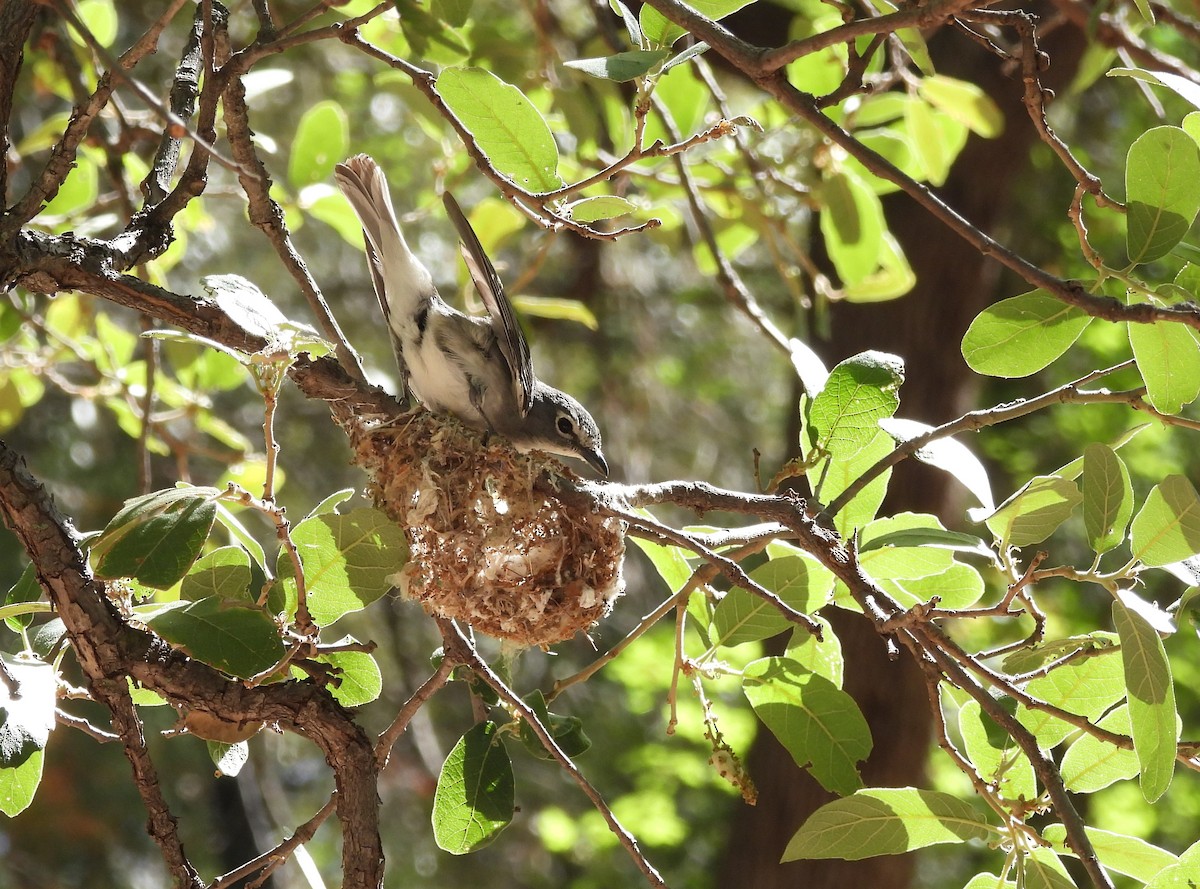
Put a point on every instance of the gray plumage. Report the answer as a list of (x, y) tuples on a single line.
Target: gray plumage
[(474, 368)]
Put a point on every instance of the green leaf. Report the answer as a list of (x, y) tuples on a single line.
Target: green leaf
[(946, 454), (331, 503), (661, 31), (27, 718), (1020, 335), (987, 880), (860, 391), (505, 124), (863, 507), (669, 561), (995, 756), (1086, 687), (24, 591), (155, 539), (1162, 192), (742, 616), (567, 731), (904, 559), (821, 656), (1125, 854), (100, 18), (893, 277), (1041, 869), (1035, 511), (818, 723), (852, 225), (959, 586), (475, 796), (557, 309), (605, 206), (885, 821), (1091, 764), (964, 102), (236, 637), (19, 783), (78, 191), (931, 536), (359, 680), (1184, 875), (927, 142), (349, 560), (1167, 527), (1107, 497), (322, 140), (1168, 358), (623, 66), (1152, 713), (224, 573), (632, 28)]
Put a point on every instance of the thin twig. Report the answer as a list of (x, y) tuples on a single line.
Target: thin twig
[(460, 648), (388, 737), (972, 421), (266, 863), (267, 216)]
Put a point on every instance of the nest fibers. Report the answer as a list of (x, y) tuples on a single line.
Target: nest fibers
[(487, 548)]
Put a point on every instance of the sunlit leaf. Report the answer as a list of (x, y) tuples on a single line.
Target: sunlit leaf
[(237, 637), (322, 140), (1091, 764), (661, 31), (1162, 191), (818, 723), (964, 101), (852, 224), (1127, 855), (1167, 527), (742, 616), (622, 66), (1020, 335), (1035, 511), (475, 796), (603, 206), (1086, 687), (860, 392), (885, 821), (349, 560), (1168, 358), (1152, 713), (1107, 497), (507, 126), (156, 538)]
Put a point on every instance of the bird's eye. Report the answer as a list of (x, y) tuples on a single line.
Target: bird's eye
[(564, 424)]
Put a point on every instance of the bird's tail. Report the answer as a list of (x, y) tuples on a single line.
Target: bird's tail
[(399, 277)]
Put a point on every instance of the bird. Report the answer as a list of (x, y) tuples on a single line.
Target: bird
[(475, 368)]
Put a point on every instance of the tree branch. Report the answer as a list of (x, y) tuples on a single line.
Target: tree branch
[(108, 650)]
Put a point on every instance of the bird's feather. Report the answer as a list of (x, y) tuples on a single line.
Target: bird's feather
[(504, 321)]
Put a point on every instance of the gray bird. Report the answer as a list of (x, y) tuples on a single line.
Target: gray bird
[(474, 368)]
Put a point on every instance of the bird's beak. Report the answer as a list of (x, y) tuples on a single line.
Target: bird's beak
[(595, 460)]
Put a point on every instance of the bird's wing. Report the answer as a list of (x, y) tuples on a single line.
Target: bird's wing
[(504, 322)]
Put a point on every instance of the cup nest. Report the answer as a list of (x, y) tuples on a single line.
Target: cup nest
[(487, 547)]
